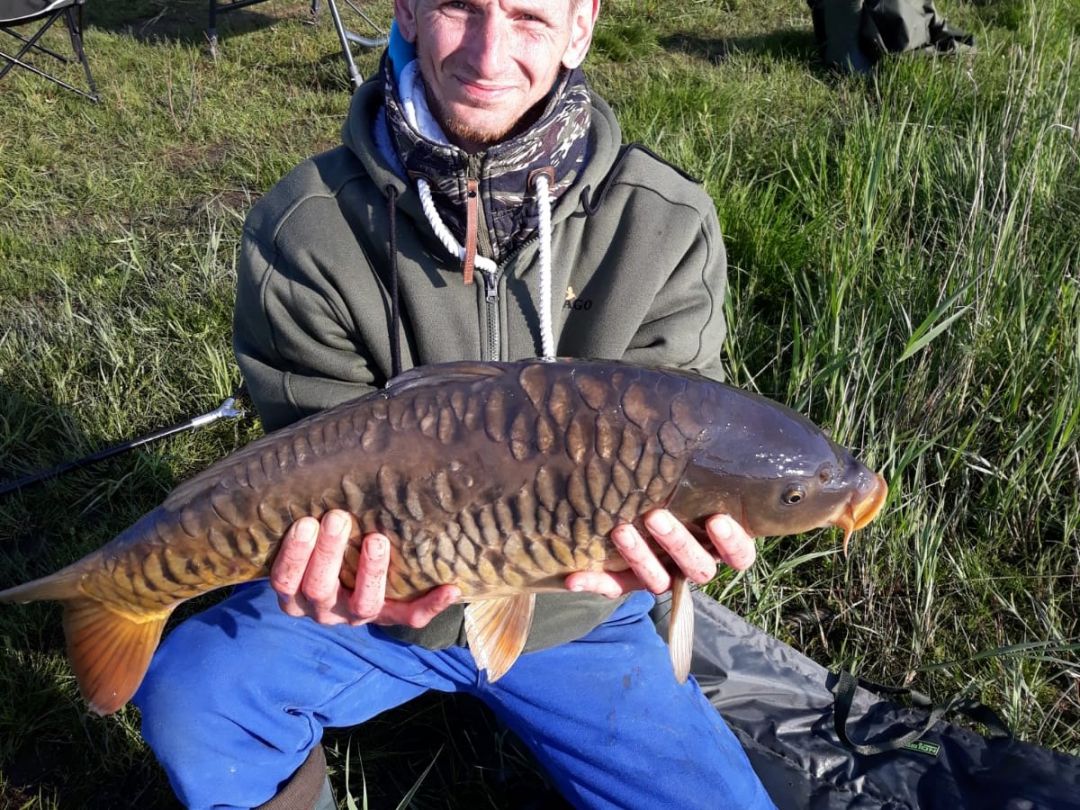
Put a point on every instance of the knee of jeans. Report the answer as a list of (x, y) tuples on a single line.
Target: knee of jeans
[(182, 689)]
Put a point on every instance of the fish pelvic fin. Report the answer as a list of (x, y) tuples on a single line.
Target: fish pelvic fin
[(109, 651), (496, 630), (681, 628)]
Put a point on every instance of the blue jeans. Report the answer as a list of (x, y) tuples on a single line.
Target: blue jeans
[(237, 696)]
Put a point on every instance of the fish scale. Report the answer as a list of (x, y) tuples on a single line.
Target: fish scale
[(499, 478)]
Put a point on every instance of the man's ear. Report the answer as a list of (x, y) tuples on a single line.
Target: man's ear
[(582, 20), (405, 14)]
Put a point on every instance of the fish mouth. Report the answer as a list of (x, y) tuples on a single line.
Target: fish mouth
[(861, 510)]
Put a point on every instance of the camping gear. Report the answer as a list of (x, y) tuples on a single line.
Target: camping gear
[(19, 13), (820, 741), (853, 35)]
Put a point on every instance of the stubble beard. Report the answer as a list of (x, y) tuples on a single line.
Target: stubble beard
[(464, 133)]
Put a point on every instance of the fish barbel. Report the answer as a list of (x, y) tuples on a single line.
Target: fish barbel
[(500, 478)]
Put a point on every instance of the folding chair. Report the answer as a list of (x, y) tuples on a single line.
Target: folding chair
[(18, 13)]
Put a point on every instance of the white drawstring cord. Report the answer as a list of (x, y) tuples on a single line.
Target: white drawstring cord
[(420, 119), (543, 202)]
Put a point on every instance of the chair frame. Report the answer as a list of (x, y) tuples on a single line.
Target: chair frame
[(346, 37), (73, 13)]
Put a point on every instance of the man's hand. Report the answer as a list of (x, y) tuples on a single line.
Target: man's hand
[(731, 545), (306, 574)]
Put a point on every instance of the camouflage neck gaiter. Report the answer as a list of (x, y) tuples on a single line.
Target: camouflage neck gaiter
[(558, 140)]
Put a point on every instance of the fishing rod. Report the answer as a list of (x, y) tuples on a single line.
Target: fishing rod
[(226, 410)]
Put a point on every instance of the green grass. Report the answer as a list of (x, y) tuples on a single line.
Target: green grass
[(905, 263)]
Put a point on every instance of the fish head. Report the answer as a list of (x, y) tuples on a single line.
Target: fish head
[(776, 473)]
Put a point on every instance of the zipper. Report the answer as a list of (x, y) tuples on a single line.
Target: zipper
[(491, 307)]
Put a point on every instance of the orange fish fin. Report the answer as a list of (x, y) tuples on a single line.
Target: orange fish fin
[(497, 629), (681, 628), (109, 651)]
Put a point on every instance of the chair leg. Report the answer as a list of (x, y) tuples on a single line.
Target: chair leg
[(355, 79), (211, 31), (28, 44), (75, 27)]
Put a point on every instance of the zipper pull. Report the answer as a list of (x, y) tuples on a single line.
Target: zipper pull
[(491, 286)]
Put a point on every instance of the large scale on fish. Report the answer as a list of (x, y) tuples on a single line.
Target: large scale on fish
[(500, 478)]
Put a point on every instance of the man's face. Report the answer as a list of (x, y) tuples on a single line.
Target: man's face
[(487, 63)]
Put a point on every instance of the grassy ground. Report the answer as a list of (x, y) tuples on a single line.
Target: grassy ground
[(905, 268)]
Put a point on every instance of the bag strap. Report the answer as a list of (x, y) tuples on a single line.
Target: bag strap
[(844, 691)]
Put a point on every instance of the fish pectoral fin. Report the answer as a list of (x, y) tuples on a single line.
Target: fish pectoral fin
[(681, 628), (496, 630), (109, 651)]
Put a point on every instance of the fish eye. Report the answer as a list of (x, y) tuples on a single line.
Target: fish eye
[(793, 495)]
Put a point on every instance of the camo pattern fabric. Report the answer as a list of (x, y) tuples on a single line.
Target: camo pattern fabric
[(559, 140)]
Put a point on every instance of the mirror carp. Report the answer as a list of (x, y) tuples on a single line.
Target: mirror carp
[(500, 478)]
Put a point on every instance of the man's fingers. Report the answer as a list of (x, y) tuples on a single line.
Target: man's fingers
[(321, 583), (287, 573), (419, 612), (642, 560), (733, 544), (369, 594), (605, 583), (688, 555)]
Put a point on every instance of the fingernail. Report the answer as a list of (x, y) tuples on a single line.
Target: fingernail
[(577, 588), (335, 523), (307, 531), (722, 528), (376, 546), (661, 522)]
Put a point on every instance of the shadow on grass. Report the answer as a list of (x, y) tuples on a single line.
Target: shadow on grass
[(476, 761), (52, 752), (187, 21), (782, 44)]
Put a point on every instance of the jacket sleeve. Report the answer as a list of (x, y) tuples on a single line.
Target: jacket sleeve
[(685, 326), (291, 337)]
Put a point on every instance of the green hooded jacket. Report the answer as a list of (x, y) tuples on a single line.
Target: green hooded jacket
[(639, 274)]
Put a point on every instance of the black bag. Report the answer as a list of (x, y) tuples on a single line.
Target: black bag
[(855, 34), (798, 722)]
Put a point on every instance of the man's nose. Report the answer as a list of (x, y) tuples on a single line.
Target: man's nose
[(489, 45)]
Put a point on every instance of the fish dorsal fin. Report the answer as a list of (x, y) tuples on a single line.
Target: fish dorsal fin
[(497, 629), (681, 628), (443, 373)]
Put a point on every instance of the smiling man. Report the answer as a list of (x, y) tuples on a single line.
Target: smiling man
[(423, 239)]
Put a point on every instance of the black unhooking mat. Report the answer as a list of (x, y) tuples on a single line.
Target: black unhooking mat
[(783, 707)]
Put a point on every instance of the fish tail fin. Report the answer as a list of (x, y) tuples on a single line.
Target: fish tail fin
[(109, 651)]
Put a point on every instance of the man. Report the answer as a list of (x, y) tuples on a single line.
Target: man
[(422, 236)]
